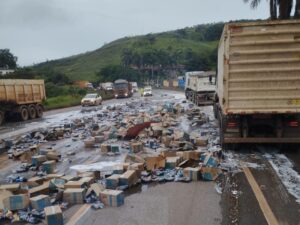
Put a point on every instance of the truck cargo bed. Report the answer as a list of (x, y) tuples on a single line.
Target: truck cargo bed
[(259, 67)]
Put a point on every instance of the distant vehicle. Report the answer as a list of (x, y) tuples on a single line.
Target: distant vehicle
[(200, 87), (89, 86), (21, 97), (134, 86), (91, 100), (147, 91), (122, 89), (108, 86)]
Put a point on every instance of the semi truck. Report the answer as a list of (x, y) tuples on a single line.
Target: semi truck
[(122, 89), (21, 97), (258, 83), (200, 87)]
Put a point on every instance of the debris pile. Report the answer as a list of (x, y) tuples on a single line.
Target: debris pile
[(139, 142)]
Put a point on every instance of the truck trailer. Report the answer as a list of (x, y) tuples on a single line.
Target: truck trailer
[(200, 87), (258, 83), (21, 97)]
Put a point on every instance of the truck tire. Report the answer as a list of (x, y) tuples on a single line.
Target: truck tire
[(215, 108), (32, 112), (24, 113), (2, 115), (39, 111)]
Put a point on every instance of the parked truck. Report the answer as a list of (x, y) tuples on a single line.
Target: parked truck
[(258, 83), (21, 97), (200, 87), (122, 89)]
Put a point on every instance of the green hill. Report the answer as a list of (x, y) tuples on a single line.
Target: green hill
[(192, 46)]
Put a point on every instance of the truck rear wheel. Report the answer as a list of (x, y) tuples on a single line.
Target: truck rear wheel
[(1, 117), (24, 113), (32, 112), (39, 111)]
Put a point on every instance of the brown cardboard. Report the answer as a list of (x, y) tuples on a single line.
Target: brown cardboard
[(155, 162)]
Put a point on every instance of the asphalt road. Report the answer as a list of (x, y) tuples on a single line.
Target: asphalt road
[(276, 174)]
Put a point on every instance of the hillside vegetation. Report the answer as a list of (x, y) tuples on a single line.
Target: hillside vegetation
[(193, 48)]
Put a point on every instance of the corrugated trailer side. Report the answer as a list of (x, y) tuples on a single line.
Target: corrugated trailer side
[(258, 82), (261, 67), (21, 97), (22, 91)]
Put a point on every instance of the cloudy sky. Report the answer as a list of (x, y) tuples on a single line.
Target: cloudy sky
[(37, 30)]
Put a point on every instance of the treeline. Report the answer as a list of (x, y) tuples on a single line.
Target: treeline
[(56, 83), (156, 55)]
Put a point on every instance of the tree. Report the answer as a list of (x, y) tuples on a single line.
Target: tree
[(283, 6), (297, 9), (7, 59)]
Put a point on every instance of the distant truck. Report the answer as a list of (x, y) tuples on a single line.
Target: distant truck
[(200, 87), (108, 86), (122, 89), (21, 97), (258, 83), (134, 86)]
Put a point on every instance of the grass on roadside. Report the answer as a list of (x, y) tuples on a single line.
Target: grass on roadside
[(65, 101), (62, 102)]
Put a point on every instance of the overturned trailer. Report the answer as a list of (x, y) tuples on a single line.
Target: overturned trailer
[(258, 83), (200, 87)]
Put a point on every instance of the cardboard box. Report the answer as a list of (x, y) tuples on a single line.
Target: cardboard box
[(112, 198), (53, 215), (105, 148), (10, 187), (118, 169), (128, 178), (155, 162), (96, 188), (42, 189), (203, 141), (172, 162), (49, 166), (209, 173), (36, 179), (193, 173), (53, 155), (16, 202), (53, 176), (74, 195), (195, 155), (166, 153), (89, 143), (99, 139), (125, 166), (40, 202), (3, 195), (37, 160), (115, 148), (95, 174), (166, 140), (136, 147), (112, 182), (68, 178), (74, 184), (138, 167), (87, 181)]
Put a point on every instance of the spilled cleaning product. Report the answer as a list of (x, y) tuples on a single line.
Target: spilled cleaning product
[(284, 169), (100, 166)]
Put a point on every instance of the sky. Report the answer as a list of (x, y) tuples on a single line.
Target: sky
[(40, 30)]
